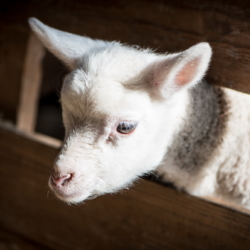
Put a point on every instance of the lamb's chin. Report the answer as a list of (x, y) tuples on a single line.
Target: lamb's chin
[(72, 198)]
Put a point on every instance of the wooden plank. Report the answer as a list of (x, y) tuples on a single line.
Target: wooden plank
[(12, 241), (148, 216), (31, 81), (12, 51)]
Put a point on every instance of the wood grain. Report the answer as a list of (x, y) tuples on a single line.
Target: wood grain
[(12, 51), (31, 84), (11, 241), (148, 216)]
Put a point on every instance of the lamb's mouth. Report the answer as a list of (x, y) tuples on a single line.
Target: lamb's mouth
[(69, 197), (73, 196)]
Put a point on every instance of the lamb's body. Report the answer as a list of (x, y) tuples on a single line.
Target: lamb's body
[(222, 167), (128, 111), (233, 156)]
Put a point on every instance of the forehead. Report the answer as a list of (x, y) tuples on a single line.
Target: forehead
[(115, 99), (102, 95), (100, 83)]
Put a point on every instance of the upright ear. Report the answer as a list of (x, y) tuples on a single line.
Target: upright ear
[(65, 46), (182, 70)]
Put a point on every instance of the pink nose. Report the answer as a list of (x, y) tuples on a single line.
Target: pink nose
[(61, 180)]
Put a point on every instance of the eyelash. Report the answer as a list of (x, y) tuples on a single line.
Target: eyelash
[(126, 127)]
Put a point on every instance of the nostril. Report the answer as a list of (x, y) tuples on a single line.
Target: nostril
[(60, 180)]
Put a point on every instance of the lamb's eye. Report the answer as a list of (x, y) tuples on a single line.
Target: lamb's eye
[(126, 127)]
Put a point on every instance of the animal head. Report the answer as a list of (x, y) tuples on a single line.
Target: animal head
[(121, 106)]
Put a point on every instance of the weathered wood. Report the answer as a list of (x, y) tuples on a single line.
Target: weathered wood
[(148, 216), (12, 50), (12, 241), (31, 81)]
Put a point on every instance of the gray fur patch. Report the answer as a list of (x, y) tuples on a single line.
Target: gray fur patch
[(203, 130)]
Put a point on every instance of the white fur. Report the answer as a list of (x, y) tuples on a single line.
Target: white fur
[(112, 83)]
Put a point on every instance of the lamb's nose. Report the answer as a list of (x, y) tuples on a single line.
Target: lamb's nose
[(61, 180)]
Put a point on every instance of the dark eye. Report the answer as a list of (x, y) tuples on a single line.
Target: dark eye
[(126, 127)]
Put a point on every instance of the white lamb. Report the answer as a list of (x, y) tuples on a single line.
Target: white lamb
[(129, 111)]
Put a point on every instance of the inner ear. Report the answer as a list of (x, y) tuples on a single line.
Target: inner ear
[(187, 72)]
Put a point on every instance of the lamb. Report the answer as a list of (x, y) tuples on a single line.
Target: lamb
[(128, 111)]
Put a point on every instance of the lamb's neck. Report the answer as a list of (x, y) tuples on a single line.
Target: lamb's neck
[(202, 129)]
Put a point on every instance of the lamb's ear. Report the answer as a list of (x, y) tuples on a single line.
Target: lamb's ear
[(180, 70), (65, 46)]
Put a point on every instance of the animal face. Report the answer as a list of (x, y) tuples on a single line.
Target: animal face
[(110, 130)]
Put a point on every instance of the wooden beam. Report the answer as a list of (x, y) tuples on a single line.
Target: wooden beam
[(148, 216), (31, 81), (11, 241)]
